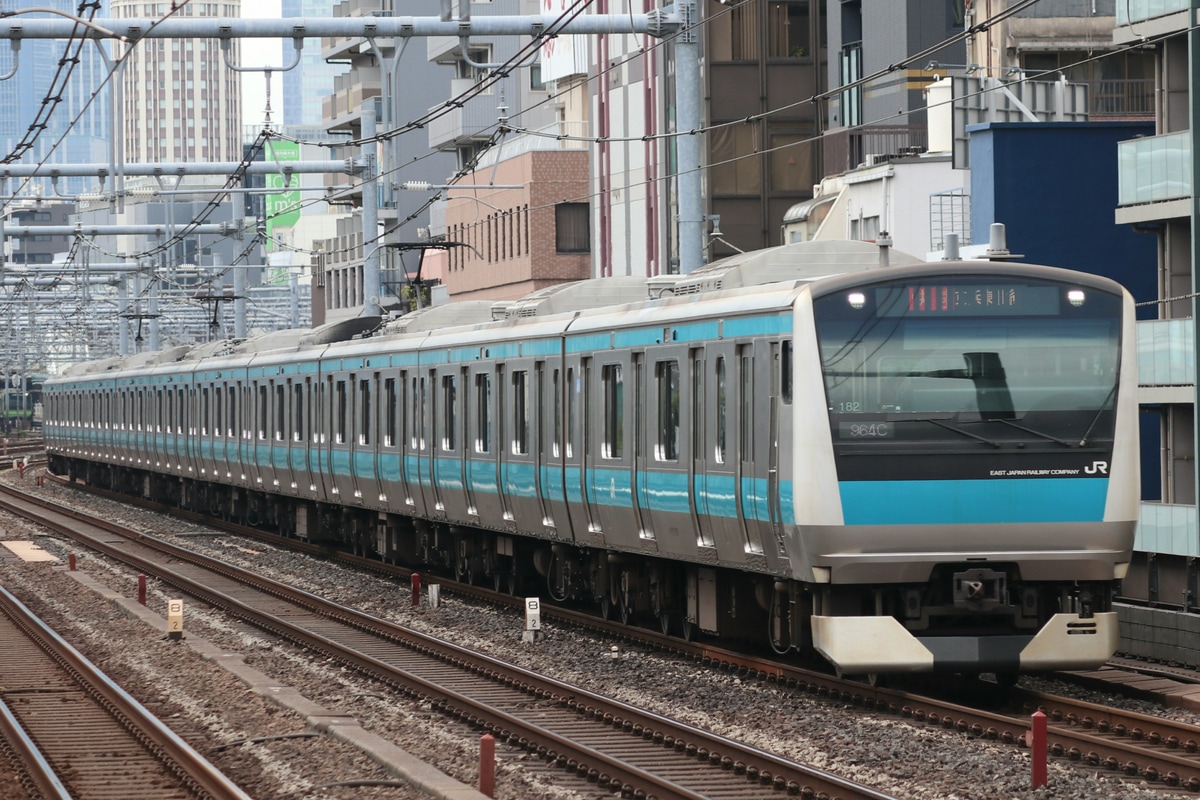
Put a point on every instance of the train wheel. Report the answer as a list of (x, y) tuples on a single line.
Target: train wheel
[(664, 623), (686, 629), (625, 609), (606, 607)]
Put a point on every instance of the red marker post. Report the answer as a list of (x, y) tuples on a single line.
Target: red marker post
[(142, 589), (1037, 748), (487, 765), (416, 589)]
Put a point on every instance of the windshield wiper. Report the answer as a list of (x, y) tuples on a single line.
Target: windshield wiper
[(1031, 431), (968, 434), (1084, 441)]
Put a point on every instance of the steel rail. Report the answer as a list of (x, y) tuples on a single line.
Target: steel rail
[(675, 749)]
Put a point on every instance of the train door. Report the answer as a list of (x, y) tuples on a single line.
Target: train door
[(611, 461), (719, 486), (414, 442), (552, 483), (481, 463), (668, 408), (583, 393), (639, 477), (701, 450), (751, 485), (502, 433), (429, 402)]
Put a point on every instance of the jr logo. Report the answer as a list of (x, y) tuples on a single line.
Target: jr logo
[(1097, 468)]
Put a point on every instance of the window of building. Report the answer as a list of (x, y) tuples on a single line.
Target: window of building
[(791, 160), (864, 229), (571, 228), (735, 165), (788, 29)]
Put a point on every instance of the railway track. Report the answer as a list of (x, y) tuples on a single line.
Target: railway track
[(613, 745), (76, 734), (1135, 745)]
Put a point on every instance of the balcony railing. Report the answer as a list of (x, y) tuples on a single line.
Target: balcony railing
[(1120, 99), (1164, 528), (1154, 168), (845, 149), (1165, 348), (1137, 10)]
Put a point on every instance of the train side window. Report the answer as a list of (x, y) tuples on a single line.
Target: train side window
[(785, 371), (420, 411), (666, 378), (389, 410), (204, 411), (248, 410), (231, 417), (298, 412), (722, 412), (520, 384), (218, 409), (612, 442), (181, 419), (556, 423), (449, 405), (263, 409), (572, 401), (280, 411), (414, 406), (483, 412), (364, 411), (340, 410), (746, 404)]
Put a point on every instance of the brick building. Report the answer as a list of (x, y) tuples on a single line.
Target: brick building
[(518, 240)]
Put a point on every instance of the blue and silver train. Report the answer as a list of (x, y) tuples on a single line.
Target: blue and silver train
[(907, 467)]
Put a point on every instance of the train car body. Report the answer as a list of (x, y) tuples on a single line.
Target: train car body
[(918, 467)]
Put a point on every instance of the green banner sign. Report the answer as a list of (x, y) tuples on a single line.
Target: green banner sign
[(282, 207)]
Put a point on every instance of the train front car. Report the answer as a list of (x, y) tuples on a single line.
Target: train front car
[(969, 488)]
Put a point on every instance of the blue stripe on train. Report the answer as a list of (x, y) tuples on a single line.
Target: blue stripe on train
[(1003, 500)]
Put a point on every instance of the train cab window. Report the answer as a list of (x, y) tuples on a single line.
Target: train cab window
[(556, 423), (389, 412), (785, 370), (520, 384), (483, 412), (449, 404), (612, 442), (298, 412), (364, 411), (666, 379), (340, 409), (722, 412)]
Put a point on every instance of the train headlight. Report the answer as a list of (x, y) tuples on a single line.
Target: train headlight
[(1075, 297), (857, 300)]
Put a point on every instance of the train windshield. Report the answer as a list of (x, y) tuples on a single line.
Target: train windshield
[(1015, 353)]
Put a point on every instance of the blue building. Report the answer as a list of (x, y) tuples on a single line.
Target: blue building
[(1049, 183), (77, 125), (306, 86)]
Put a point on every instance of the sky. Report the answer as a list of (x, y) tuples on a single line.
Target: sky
[(260, 53)]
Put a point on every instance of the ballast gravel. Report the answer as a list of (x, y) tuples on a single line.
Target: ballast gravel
[(273, 755)]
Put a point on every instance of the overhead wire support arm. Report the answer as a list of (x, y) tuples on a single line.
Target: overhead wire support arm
[(655, 23)]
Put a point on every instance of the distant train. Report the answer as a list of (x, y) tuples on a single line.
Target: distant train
[(912, 467)]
